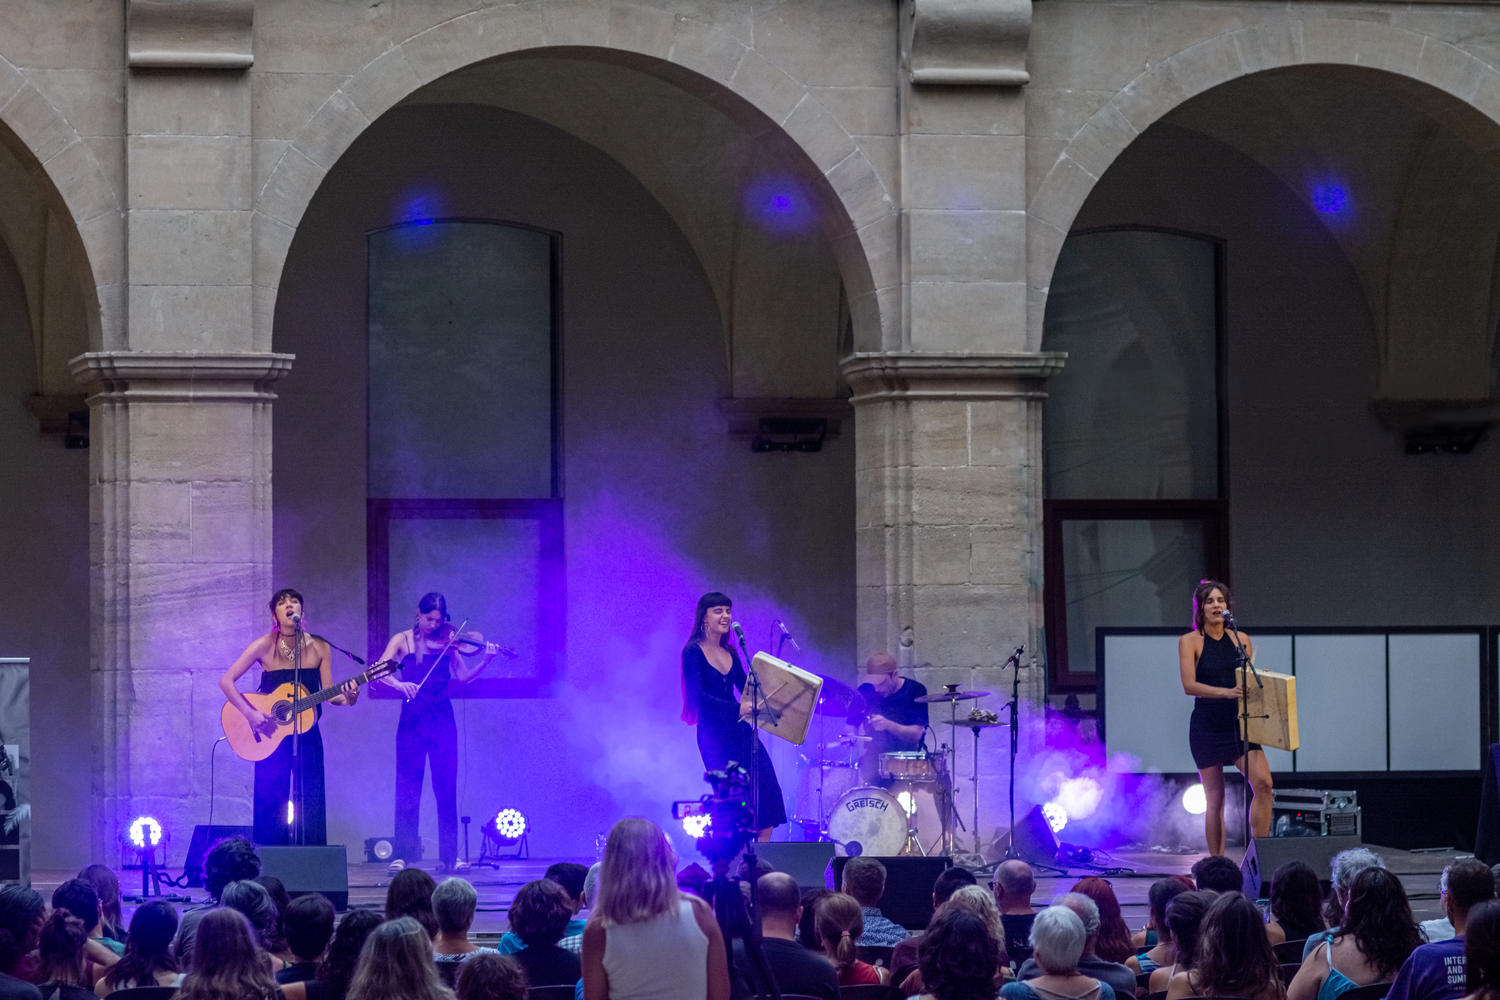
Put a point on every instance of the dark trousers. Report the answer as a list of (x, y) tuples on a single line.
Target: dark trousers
[(427, 731), (273, 790)]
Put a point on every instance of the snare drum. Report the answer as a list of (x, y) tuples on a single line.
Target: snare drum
[(913, 765), (871, 816)]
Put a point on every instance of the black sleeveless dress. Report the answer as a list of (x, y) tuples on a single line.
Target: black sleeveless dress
[(1214, 729), (274, 777), (722, 737)]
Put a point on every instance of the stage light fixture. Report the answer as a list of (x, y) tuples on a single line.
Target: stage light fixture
[(508, 831), (908, 802), (145, 832), (142, 838), (380, 849), (696, 826), (1056, 816), (1194, 801)]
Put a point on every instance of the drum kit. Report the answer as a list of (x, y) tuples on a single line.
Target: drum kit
[(910, 793)]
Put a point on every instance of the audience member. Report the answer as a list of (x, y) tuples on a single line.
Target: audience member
[(1058, 940), (807, 933), (970, 899), (797, 970), (410, 895), (1185, 923), (337, 967), (308, 924), (539, 916), (254, 901), (644, 938), (232, 859), (1482, 951), (1217, 873), (1343, 868), (453, 904), (1233, 957), (1120, 979), (959, 955), (1374, 938), (111, 920), (78, 898), (60, 971), (1436, 971), (571, 877), (280, 900), (904, 955), (1296, 903), (1113, 940), (228, 963), (492, 977), (838, 923), (1159, 953), (396, 963), (148, 958), (22, 911), (572, 939), (864, 879), (1013, 884)]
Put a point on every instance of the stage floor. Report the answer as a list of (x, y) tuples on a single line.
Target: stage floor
[(1131, 877)]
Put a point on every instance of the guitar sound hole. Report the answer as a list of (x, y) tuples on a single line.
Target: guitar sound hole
[(282, 712)]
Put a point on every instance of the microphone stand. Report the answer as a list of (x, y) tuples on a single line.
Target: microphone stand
[(752, 904), (298, 831), (1247, 671)]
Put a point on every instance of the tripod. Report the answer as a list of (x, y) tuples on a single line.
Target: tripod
[(737, 918)]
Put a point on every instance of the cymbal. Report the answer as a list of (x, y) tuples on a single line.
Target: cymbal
[(838, 699), (971, 724), (933, 699)]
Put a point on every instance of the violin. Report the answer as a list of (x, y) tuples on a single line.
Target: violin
[(471, 642)]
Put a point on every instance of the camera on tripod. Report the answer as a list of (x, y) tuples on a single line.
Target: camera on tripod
[(727, 822)]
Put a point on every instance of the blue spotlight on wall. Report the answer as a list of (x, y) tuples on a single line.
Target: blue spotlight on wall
[(779, 205), (1330, 198)]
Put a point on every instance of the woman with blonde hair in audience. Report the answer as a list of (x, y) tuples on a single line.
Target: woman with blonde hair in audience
[(148, 959), (396, 964), (228, 963), (1375, 936), (1057, 940), (980, 902), (1234, 956), (838, 924), (645, 938)]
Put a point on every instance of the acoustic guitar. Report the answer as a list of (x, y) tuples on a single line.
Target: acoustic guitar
[(287, 703)]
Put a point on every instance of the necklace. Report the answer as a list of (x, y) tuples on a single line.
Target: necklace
[(286, 649)]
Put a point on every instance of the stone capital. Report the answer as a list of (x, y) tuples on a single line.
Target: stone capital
[(972, 43), (180, 376), (190, 34), (884, 376)]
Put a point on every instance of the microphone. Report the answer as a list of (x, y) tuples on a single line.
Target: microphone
[(296, 618), (739, 633), (787, 635), (1228, 618)]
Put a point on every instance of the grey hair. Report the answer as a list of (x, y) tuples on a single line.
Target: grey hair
[(1347, 864), (1086, 909), (978, 901), (252, 900), (453, 903), (1057, 938), (591, 883)]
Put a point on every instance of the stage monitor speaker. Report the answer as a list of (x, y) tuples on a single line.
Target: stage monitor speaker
[(205, 837), (908, 887), (1033, 838), (806, 862), (1266, 854), (302, 870)]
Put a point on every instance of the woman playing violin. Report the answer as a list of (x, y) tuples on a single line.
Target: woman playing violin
[(432, 654)]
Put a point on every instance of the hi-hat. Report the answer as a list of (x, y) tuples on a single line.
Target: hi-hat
[(932, 699), (971, 724)]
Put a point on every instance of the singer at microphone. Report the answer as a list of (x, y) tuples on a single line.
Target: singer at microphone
[(1207, 659), (712, 680)]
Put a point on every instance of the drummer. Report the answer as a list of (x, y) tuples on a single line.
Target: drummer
[(892, 716)]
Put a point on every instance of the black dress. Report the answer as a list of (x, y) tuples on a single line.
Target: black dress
[(1214, 729), (273, 776), (721, 736)]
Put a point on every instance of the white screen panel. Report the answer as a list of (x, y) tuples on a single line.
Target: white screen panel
[(1145, 711), (1274, 653), (1435, 677), (1341, 702)]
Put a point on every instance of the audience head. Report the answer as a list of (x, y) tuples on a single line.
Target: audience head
[(637, 881), (807, 932), (591, 883), (60, 949), (1057, 939), (1464, 884), (230, 860), (1185, 919), (21, 913), (107, 888), (397, 962), (779, 899), (1234, 956), (227, 959), (252, 899), (1162, 892), (1218, 874), (864, 879), (308, 923), (410, 895), (1112, 943), (491, 977), (977, 900), (1088, 912), (1482, 950), (78, 898), (1347, 864), (950, 881), (453, 904), (148, 946), (1378, 916), (1296, 897), (1014, 883), (959, 955), (280, 899), (570, 876), (337, 967), (540, 912), (839, 921)]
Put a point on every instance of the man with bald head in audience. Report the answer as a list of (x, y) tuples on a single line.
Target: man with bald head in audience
[(1013, 885), (797, 970)]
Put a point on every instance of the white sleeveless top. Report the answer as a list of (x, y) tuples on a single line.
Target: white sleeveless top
[(665, 958)]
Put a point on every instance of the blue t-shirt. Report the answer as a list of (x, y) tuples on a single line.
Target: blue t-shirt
[(1432, 972)]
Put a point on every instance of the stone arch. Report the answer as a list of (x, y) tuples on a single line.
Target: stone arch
[(1207, 64), (858, 213)]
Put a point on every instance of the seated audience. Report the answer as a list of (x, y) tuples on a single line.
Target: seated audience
[(60, 970), (1482, 951), (807, 933), (492, 977), (978, 901), (1343, 868), (1014, 883), (1058, 938), (1217, 873), (864, 879), (148, 958), (280, 900), (1184, 923), (1296, 903), (78, 898), (410, 895), (1436, 971), (337, 967), (308, 925), (1113, 940), (111, 920), (797, 970), (1375, 936), (453, 904), (232, 859), (1120, 979), (539, 916), (573, 941), (254, 901), (838, 923), (959, 955), (571, 877), (228, 963), (1162, 892), (396, 963), (904, 955), (22, 911), (644, 937), (1233, 957)]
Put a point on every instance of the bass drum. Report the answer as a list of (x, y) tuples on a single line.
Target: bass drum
[(870, 816)]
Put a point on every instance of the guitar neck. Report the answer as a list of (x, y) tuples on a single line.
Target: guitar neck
[(318, 697)]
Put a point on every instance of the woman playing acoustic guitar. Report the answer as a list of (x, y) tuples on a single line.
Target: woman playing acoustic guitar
[(278, 654)]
